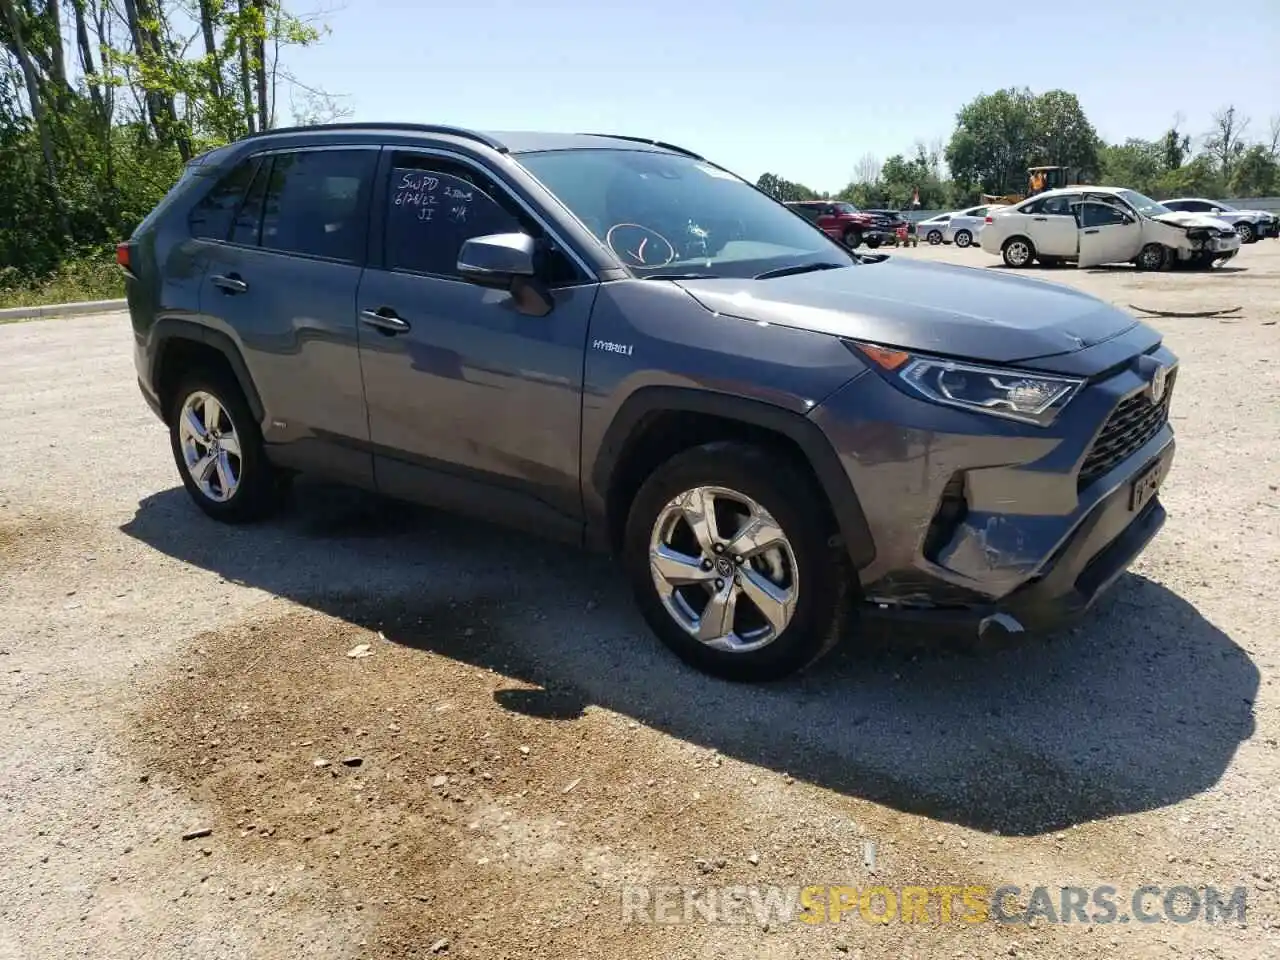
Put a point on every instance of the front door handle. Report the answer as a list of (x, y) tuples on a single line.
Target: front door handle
[(1040, 218), (385, 321), (1091, 231), (231, 283)]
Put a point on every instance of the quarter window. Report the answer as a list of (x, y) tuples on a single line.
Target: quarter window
[(211, 218)]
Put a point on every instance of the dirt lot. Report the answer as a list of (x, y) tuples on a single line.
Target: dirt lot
[(525, 749)]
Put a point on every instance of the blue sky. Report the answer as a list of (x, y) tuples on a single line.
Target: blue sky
[(802, 88)]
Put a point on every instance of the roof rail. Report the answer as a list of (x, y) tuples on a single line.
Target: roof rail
[(653, 143), (412, 127)]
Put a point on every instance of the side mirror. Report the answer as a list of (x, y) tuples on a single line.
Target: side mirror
[(507, 261), (497, 260)]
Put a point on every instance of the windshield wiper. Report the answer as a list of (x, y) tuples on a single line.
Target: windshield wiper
[(802, 268), (679, 276)]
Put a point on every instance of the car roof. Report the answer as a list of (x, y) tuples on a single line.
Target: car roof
[(504, 141)]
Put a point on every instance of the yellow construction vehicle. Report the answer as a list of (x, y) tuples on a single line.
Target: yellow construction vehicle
[(1039, 179)]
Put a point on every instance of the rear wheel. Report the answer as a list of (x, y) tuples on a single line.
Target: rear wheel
[(935, 237), (729, 552), (1245, 231), (1018, 252), (852, 239), (963, 238), (218, 448)]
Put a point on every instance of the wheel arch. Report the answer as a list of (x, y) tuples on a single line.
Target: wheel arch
[(173, 340), (655, 423)]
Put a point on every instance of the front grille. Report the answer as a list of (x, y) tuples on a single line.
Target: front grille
[(1131, 424)]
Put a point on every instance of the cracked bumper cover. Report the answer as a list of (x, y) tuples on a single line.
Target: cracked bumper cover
[(1031, 542)]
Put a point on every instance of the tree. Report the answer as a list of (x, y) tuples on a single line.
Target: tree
[(994, 137), (1273, 138), (867, 169), (1137, 164), (1256, 173), (1225, 143), (781, 189), (1175, 145), (1063, 135)]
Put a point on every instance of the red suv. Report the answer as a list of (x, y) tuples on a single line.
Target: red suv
[(843, 221)]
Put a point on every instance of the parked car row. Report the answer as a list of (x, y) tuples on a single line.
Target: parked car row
[(844, 222), (1251, 225)]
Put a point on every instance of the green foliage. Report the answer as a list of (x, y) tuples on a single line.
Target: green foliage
[(83, 162), (94, 277), (999, 135), (785, 190)]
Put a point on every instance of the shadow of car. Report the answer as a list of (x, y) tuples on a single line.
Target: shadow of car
[(1140, 706)]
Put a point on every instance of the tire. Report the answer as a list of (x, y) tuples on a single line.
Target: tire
[(1153, 256), (873, 242), (1245, 231), (852, 239), (1018, 252), (934, 237), (256, 488), (737, 476), (963, 238)]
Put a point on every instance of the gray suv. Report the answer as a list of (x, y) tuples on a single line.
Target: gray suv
[(619, 343)]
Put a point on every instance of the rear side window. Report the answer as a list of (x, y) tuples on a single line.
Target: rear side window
[(211, 218), (315, 203), (435, 205)]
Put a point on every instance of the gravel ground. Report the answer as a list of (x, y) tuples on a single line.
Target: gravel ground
[(515, 748)]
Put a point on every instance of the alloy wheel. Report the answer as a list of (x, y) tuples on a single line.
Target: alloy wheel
[(724, 569), (963, 238), (210, 446), (1018, 253), (1245, 231)]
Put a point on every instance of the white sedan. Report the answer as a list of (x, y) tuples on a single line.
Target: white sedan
[(964, 226), (1252, 225), (934, 228), (1096, 225)]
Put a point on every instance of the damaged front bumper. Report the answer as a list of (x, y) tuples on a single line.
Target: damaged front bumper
[(1023, 526)]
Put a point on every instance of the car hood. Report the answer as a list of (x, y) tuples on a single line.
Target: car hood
[(1192, 220), (968, 312)]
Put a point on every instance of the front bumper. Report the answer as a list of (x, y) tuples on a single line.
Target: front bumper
[(1267, 228), (972, 515)]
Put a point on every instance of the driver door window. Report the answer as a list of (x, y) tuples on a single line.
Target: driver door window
[(434, 206)]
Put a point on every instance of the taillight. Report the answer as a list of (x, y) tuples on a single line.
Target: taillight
[(986, 219), (122, 255)]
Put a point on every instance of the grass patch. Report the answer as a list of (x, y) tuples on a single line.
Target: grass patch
[(73, 282)]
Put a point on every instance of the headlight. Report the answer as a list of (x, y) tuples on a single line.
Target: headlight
[(1035, 398)]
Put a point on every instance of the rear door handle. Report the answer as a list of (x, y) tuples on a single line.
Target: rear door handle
[(231, 284), (385, 321)]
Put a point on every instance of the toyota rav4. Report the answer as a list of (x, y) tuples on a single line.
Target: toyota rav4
[(617, 342)]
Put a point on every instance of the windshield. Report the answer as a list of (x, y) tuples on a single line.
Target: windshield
[(1144, 205), (665, 215)]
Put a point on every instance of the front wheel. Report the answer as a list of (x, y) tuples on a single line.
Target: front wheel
[(218, 448), (852, 239), (935, 237), (873, 242), (729, 553), (1153, 256), (963, 238), (1246, 233)]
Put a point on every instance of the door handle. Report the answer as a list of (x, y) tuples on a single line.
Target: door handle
[(1091, 231), (1040, 218), (231, 283), (384, 321)]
